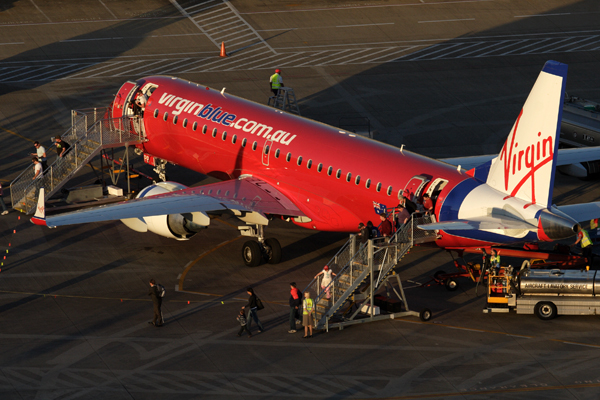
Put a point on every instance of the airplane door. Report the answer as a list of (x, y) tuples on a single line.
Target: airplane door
[(265, 153), (414, 187), (122, 99)]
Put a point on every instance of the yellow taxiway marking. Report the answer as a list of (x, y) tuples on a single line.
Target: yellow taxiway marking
[(201, 256), (16, 134)]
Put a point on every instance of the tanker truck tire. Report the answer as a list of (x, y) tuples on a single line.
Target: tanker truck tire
[(425, 315), (545, 310)]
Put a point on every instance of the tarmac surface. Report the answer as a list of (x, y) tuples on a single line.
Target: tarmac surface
[(444, 78)]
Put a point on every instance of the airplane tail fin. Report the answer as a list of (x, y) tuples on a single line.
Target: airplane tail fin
[(525, 167), (40, 212)]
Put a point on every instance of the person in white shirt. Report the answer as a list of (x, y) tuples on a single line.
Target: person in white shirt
[(37, 168), (327, 274), (4, 210), (41, 154)]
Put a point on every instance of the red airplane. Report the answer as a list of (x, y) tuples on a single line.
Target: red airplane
[(276, 164)]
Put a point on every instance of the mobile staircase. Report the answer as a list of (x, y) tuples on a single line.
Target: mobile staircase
[(91, 132), (362, 269), (285, 100)]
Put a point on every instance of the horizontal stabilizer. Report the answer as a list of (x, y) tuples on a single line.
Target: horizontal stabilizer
[(482, 223)]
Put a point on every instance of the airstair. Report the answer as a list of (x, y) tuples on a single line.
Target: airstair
[(91, 132), (363, 269), (285, 100)]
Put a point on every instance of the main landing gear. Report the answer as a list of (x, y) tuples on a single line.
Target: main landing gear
[(254, 251)]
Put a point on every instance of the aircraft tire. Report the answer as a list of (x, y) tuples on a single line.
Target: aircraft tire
[(251, 253), (425, 314), (545, 310), (272, 251), (451, 285)]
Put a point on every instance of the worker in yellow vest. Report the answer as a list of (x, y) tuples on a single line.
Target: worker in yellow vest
[(276, 81), (585, 242)]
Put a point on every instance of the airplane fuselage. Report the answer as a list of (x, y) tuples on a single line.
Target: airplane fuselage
[(333, 176)]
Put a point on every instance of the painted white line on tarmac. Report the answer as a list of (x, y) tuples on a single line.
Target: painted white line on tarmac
[(353, 26), (540, 15), (4, 44), (447, 20)]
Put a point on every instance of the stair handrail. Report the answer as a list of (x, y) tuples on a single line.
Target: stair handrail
[(400, 243), (56, 171), (314, 285)]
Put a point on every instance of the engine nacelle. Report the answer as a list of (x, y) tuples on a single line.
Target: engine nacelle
[(172, 226)]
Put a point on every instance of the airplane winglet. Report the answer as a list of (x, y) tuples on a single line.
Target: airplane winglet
[(40, 213)]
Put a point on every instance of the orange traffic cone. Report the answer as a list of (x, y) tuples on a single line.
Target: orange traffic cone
[(223, 53)]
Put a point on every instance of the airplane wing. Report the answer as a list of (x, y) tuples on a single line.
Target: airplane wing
[(565, 157), (250, 194), (582, 212)]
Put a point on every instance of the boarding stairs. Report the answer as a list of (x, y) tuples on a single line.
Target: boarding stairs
[(91, 132), (363, 269), (285, 100)]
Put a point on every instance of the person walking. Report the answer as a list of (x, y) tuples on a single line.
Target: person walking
[(4, 210), (62, 147), (37, 168), (40, 154), (307, 315), (276, 82), (252, 307), (386, 226), (157, 302), (295, 301), (325, 283), (241, 318), (583, 238)]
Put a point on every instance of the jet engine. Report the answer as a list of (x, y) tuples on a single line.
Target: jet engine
[(172, 226)]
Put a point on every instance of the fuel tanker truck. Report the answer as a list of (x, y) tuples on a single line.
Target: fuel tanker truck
[(545, 293)]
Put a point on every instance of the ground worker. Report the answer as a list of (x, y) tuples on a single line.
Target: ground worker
[(586, 243), (276, 82)]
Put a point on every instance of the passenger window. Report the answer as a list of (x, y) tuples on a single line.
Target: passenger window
[(299, 162), (319, 167), (309, 164), (338, 173), (184, 123), (244, 142), (378, 188), (266, 150), (165, 116), (233, 139), (329, 170), (288, 157), (204, 129), (389, 192), (254, 146), (175, 120), (224, 135), (277, 153), (368, 183), (156, 113), (214, 134), (357, 180), (348, 177)]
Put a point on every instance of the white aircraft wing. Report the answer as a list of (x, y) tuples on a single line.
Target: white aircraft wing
[(249, 194), (582, 212), (565, 157)]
